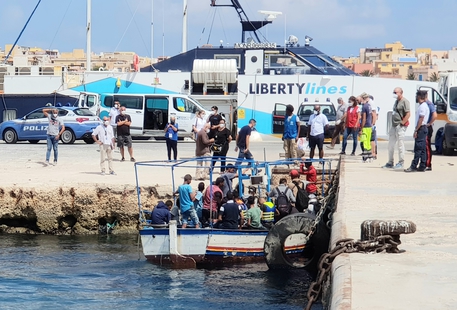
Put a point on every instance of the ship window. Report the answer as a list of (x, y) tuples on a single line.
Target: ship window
[(236, 57), (285, 61)]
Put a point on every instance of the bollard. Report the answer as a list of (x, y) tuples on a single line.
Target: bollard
[(371, 229)]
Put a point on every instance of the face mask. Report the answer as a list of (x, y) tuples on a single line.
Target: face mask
[(116, 106), (106, 123), (54, 115), (395, 96), (222, 125), (203, 115), (123, 112), (316, 112), (207, 130)]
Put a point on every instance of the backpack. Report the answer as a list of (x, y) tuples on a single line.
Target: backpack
[(301, 200), (282, 202)]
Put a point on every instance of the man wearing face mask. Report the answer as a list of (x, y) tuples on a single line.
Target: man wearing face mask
[(222, 138), (53, 133), (202, 150), (214, 120), (106, 140), (340, 120), (400, 122), (171, 138), (317, 125), (352, 125), (113, 113), (291, 132), (124, 121)]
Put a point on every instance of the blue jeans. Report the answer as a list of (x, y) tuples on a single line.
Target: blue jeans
[(52, 144), (242, 155), (350, 131), (192, 214)]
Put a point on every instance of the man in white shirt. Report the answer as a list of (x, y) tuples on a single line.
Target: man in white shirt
[(317, 125), (104, 136), (113, 112), (420, 133)]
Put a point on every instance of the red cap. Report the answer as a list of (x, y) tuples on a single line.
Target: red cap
[(294, 174)]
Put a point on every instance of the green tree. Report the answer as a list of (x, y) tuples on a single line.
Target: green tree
[(366, 73), (411, 76), (434, 77)]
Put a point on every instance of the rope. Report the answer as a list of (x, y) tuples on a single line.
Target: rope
[(211, 29), (60, 25), (130, 22)]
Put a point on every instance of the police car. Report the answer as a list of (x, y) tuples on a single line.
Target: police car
[(79, 124)]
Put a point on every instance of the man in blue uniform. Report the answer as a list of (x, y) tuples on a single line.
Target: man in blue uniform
[(291, 132)]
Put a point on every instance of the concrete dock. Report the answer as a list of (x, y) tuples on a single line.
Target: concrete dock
[(425, 275)]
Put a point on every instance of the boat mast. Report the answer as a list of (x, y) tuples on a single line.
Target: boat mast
[(152, 31), (184, 27), (88, 36)]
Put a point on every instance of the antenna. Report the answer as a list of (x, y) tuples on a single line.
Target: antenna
[(270, 15)]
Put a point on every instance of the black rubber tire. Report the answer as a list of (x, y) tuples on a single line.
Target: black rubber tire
[(292, 224), (89, 141), (34, 141), (68, 137), (10, 136), (447, 151)]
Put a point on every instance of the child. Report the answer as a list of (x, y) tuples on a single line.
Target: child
[(254, 214), (198, 202)]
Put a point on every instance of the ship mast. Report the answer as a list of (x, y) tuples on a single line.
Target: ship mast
[(88, 36)]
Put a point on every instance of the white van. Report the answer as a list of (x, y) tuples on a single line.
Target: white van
[(149, 112)]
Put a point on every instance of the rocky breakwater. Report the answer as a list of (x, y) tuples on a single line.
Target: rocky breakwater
[(73, 210)]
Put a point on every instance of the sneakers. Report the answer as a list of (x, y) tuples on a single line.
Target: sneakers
[(398, 166), (46, 163), (122, 159), (388, 166), (352, 154), (55, 163), (342, 153), (412, 169), (112, 173), (132, 159), (330, 147), (103, 173), (428, 169)]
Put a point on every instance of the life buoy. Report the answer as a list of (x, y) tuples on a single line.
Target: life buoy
[(297, 223), (136, 62)]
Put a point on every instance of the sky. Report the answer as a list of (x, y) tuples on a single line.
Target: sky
[(338, 27)]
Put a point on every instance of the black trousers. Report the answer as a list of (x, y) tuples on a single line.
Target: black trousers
[(172, 145), (420, 145), (429, 146), (220, 156)]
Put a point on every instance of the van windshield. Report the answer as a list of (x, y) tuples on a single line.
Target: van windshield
[(453, 98)]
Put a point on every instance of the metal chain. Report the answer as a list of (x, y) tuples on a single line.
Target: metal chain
[(377, 245)]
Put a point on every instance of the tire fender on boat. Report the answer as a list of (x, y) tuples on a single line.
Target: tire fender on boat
[(297, 223)]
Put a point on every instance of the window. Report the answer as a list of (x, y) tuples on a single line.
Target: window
[(130, 102), (285, 61), (36, 115), (394, 65), (156, 104), (83, 112), (90, 101), (452, 98), (236, 57), (62, 112), (384, 65), (184, 105)]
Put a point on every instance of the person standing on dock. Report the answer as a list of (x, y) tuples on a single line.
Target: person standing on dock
[(55, 129), (106, 141), (317, 125), (186, 198), (420, 134), (214, 121), (171, 138), (366, 128), (291, 132), (431, 120), (113, 113), (220, 147), (242, 142), (202, 150), (123, 122), (352, 125), (400, 121), (339, 123)]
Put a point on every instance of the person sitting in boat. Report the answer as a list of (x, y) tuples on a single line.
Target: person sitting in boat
[(161, 214), (254, 215), (229, 174), (210, 201), (284, 198), (239, 200), (230, 215), (311, 177), (174, 210), (269, 212), (198, 202), (186, 198)]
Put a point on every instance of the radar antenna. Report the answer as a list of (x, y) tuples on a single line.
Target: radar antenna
[(246, 24)]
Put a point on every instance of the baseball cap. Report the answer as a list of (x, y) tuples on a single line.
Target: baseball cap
[(294, 174)]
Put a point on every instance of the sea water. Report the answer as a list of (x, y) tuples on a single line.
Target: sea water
[(109, 272)]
